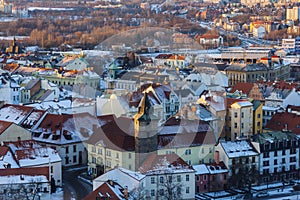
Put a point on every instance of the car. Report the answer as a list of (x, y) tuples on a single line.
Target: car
[(262, 194)]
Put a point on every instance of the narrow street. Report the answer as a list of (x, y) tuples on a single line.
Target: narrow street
[(75, 188)]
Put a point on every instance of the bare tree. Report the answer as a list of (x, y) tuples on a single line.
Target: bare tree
[(17, 191)]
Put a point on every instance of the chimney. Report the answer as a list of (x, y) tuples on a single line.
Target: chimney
[(217, 157), (95, 126), (125, 192), (111, 183)]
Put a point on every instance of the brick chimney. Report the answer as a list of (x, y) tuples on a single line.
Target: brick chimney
[(217, 157), (125, 192)]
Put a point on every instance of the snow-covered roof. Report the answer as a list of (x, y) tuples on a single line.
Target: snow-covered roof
[(23, 179), (65, 129), (123, 176), (14, 113), (64, 104), (238, 149), (6, 158), (200, 169), (29, 153)]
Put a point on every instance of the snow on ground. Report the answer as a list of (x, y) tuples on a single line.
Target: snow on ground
[(58, 195)]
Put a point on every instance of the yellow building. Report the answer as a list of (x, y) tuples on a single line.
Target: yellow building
[(257, 116)]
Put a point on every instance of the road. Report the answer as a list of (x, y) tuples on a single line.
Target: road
[(72, 184)]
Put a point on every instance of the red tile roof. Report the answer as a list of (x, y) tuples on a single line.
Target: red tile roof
[(3, 150), (244, 87), (286, 120), (230, 101), (155, 160), (105, 191), (34, 171), (4, 125), (117, 134), (209, 36)]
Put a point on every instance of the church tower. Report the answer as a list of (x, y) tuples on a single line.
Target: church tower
[(145, 131)]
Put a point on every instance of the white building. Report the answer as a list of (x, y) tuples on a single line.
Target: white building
[(289, 44), (66, 133), (279, 156), (168, 176), (232, 153), (24, 183), (259, 31), (241, 123), (29, 153), (9, 90)]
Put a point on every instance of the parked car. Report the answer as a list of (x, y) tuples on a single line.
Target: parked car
[(262, 194)]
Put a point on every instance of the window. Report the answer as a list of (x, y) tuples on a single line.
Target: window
[(266, 154), (275, 153), (67, 149), (292, 159), (225, 177), (117, 155), (179, 190), (108, 153), (265, 171), (51, 169), (187, 177), (178, 178), (67, 160), (275, 162), (204, 177), (129, 155), (93, 149), (161, 179), (93, 160), (266, 163), (161, 192), (152, 180), (188, 152), (204, 186), (108, 163), (242, 125), (74, 148), (170, 179), (242, 115), (74, 159), (187, 190), (258, 124), (100, 151), (258, 116), (235, 115), (202, 150), (235, 125), (283, 160), (152, 193)]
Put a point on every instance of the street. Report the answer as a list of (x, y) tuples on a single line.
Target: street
[(75, 188)]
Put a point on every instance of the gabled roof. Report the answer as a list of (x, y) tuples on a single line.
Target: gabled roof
[(33, 118), (285, 121), (209, 36), (4, 125), (14, 113), (230, 101), (160, 163), (32, 83), (244, 87), (107, 191), (34, 171), (117, 134), (65, 128)]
